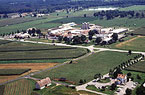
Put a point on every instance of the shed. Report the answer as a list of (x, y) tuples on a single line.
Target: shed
[(43, 83)]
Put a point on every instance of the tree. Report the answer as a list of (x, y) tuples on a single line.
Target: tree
[(85, 15), (129, 52), (115, 36), (90, 38), (138, 77), (113, 86), (98, 40), (129, 74), (117, 71), (81, 82), (140, 90), (128, 91), (97, 76), (5, 16), (83, 38), (60, 38)]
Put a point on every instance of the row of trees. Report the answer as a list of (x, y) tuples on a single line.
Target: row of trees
[(75, 40), (111, 14), (117, 70)]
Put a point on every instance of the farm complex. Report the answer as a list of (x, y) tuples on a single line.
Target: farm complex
[(88, 51)]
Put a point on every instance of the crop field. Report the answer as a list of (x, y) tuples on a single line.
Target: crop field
[(27, 51), (5, 72), (86, 68), (11, 21), (33, 66), (36, 23), (138, 67), (136, 43), (21, 86)]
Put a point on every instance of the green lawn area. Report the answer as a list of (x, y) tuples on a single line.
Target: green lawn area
[(13, 71), (134, 75), (107, 90), (16, 51), (86, 68), (138, 67)]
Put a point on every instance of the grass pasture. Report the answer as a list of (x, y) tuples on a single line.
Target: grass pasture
[(136, 44), (86, 68), (139, 31), (26, 51), (5, 72), (138, 67)]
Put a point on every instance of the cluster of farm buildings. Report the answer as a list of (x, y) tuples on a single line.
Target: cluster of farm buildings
[(70, 30)]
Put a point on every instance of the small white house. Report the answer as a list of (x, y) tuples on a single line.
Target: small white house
[(43, 83)]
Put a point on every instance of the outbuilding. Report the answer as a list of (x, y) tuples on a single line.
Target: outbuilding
[(43, 83)]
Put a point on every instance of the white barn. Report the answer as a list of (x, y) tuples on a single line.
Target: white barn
[(43, 83)]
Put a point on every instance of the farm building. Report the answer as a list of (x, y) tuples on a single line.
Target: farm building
[(119, 31), (43, 83)]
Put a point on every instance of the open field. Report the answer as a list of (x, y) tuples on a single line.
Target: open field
[(86, 68), (136, 43), (139, 31), (36, 23), (12, 21), (133, 8), (5, 72), (33, 66), (27, 51), (21, 86), (138, 67)]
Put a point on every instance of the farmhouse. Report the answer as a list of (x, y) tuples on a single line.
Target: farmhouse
[(43, 83), (121, 79)]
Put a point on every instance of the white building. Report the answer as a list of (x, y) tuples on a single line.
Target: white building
[(119, 31), (43, 83)]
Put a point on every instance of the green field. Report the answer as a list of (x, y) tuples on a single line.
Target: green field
[(40, 23), (13, 71), (136, 44), (86, 68), (138, 67), (26, 51), (139, 31), (133, 8)]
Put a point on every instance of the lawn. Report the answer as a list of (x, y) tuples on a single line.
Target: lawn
[(26, 51), (5, 72), (86, 68), (107, 90), (134, 76), (138, 67)]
